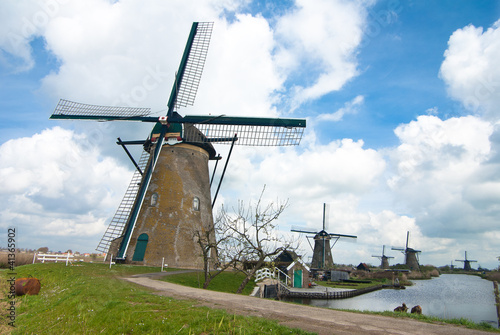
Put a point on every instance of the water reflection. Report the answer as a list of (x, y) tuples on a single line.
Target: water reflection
[(448, 296)]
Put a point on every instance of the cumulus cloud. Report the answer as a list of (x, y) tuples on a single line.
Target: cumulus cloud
[(339, 173), (324, 35), (54, 184), (471, 69), (21, 22), (439, 164), (240, 68)]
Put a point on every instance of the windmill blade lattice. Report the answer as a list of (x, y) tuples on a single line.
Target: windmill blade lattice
[(193, 66), (117, 224), (66, 109), (250, 135)]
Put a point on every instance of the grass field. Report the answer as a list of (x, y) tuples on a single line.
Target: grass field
[(224, 282), (431, 319), (91, 299)]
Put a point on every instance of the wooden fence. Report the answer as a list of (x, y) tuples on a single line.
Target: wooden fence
[(68, 258)]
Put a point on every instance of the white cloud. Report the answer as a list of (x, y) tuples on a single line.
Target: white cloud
[(239, 69), (350, 107), (471, 69), (338, 173), (324, 35), (438, 173), (55, 185), (20, 22)]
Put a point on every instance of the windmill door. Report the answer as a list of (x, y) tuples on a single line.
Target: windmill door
[(297, 278), (140, 248)]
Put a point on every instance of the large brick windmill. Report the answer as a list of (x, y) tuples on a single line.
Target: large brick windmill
[(169, 196), (322, 251)]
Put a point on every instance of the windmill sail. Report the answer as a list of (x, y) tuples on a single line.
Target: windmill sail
[(117, 224), (287, 134), (191, 66), (66, 109), (140, 196)]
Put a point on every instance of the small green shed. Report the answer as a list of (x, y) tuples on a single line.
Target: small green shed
[(299, 273)]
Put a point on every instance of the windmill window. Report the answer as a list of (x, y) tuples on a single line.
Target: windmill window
[(196, 203), (154, 199)]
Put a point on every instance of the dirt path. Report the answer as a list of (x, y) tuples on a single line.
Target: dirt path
[(313, 319)]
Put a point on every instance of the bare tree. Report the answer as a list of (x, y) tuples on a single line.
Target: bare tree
[(253, 234), (218, 254)]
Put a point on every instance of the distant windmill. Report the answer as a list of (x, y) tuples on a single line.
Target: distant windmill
[(411, 255), (169, 196), (466, 262), (384, 259), (322, 251)]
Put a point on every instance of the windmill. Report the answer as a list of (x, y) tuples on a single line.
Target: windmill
[(411, 255), (384, 259), (466, 262), (322, 251), (169, 196)]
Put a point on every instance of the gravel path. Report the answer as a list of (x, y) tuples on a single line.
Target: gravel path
[(313, 319)]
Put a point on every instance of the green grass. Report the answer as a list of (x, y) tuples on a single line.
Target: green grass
[(228, 281), (91, 299), (432, 319)]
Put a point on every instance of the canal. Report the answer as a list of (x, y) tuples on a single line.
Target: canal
[(449, 296)]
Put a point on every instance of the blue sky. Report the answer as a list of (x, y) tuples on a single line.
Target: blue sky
[(401, 99)]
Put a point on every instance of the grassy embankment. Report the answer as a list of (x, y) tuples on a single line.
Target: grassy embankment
[(91, 299), (224, 282), (431, 319)]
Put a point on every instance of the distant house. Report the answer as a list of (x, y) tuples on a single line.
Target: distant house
[(363, 266), (284, 259)]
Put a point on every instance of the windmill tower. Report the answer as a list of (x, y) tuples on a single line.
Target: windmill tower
[(467, 262), (322, 251), (169, 196), (384, 259), (411, 255)]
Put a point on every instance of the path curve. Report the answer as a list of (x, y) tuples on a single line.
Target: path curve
[(319, 320)]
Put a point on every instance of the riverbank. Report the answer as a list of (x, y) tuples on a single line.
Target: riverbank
[(386, 308), (312, 319), (445, 297)]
